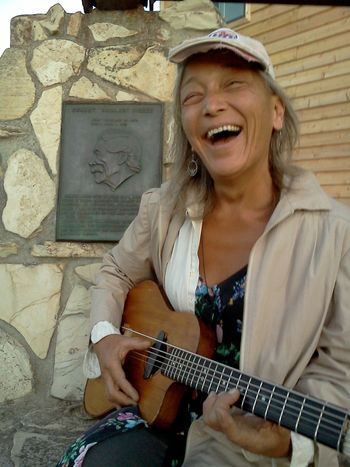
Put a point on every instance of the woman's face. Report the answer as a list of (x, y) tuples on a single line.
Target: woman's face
[(228, 114)]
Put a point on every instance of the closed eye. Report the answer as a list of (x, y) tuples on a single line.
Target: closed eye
[(192, 98), (233, 83)]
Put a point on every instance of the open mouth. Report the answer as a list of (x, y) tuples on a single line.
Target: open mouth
[(223, 133)]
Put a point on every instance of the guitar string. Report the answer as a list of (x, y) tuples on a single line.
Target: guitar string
[(332, 426), (142, 357), (345, 445), (236, 380)]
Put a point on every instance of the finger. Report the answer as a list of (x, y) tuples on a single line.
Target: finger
[(127, 394), (223, 400), (134, 343), (218, 417), (116, 392), (233, 395), (210, 401), (128, 391), (217, 410)]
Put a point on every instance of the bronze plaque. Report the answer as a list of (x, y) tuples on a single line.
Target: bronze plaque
[(110, 155)]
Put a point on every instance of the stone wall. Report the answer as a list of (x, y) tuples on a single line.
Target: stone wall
[(44, 284)]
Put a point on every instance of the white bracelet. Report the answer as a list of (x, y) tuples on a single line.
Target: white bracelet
[(101, 330)]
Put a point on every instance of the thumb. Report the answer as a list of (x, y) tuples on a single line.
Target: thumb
[(142, 343)]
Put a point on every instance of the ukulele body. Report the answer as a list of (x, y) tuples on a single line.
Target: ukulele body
[(147, 311)]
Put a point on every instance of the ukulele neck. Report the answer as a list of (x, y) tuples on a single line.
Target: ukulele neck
[(313, 418)]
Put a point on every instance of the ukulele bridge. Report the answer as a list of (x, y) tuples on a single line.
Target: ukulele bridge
[(156, 356)]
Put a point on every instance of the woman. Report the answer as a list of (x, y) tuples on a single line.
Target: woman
[(237, 229)]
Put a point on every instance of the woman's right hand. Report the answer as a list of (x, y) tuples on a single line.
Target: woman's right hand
[(111, 352)]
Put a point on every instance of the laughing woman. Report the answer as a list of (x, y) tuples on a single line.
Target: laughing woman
[(249, 244)]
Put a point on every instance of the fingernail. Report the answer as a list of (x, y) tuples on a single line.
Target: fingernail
[(234, 391)]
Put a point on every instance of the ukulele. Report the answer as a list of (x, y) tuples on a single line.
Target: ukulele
[(181, 357)]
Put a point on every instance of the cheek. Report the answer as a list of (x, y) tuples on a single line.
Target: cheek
[(187, 126)]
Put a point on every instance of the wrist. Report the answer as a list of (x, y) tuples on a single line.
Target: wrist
[(101, 330)]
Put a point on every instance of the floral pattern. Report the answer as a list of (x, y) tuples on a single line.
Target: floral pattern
[(116, 422), (221, 307)]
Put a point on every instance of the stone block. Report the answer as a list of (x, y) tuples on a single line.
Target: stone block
[(15, 369), (30, 193)]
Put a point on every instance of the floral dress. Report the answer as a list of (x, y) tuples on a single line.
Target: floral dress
[(221, 307)]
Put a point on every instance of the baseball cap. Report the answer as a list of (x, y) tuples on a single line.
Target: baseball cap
[(224, 38)]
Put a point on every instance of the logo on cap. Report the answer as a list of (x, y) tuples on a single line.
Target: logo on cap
[(224, 34)]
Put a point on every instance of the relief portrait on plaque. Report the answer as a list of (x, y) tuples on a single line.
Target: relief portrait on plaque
[(110, 154), (117, 158)]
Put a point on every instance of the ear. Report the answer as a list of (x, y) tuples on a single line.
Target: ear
[(278, 114)]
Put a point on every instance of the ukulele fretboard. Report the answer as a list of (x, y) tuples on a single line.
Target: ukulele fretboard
[(308, 416)]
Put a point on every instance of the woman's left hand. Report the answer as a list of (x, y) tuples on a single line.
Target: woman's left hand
[(251, 433)]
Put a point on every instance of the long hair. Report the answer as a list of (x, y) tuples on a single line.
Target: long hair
[(282, 142), (280, 152)]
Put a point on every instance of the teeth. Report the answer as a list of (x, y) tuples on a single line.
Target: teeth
[(215, 131)]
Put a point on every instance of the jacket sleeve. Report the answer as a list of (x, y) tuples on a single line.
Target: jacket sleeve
[(328, 374), (128, 263)]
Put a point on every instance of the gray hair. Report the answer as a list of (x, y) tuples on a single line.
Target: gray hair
[(280, 153)]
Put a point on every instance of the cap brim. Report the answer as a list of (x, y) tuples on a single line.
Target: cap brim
[(184, 51)]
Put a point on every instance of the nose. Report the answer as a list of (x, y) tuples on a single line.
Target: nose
[(214, 103)]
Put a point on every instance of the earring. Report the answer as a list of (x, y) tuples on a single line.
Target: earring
[(192, 167)]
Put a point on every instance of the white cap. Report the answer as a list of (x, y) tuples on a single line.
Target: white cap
[(246, 47)]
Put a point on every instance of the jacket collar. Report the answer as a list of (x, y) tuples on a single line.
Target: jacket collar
[(302, 193)]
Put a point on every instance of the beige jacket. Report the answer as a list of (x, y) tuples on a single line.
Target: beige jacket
[(296, 328)]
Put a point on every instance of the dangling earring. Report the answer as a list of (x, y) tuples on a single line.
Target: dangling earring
[(192, 167)]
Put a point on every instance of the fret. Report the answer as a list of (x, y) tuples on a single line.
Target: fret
[(269, 403), (322, 422), (226, 383), (299, 416), (309, 418), (188, 367), (238, 381), (196, 360), (254, 398), (262, 398), (276, 405), (334, 418), (229, 379), (283, 408), (204, 373), (177, 364), (219, 371), (165, 366), (257, 397), (319, 423), (170, 364), (196, 369), (245, 393), (291, 411), (219, 383), (212, 377)]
